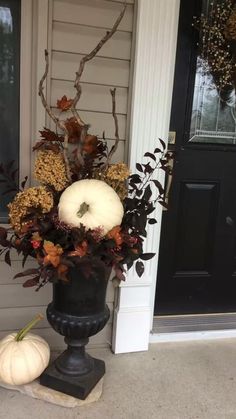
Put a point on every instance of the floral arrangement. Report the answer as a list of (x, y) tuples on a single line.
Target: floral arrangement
[(85, 209), (217, 44)]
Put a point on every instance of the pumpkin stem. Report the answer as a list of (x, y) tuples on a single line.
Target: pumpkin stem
[(82, 209), (23, 332)]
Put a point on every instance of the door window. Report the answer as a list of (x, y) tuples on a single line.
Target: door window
[(9, 98), (213, 117)]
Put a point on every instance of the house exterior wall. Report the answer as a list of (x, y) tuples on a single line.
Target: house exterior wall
[(69, 29)]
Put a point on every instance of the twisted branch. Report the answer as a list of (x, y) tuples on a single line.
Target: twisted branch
[(56, 120), (117, 138), (89, 57)]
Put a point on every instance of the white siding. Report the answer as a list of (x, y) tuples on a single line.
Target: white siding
[(75, 28)]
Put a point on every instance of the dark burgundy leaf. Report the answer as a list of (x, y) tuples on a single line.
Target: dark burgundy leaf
[(139, 266), (148, 193), (7, 258), (164, 204), (162, 143), (157, 150), (139, 167), (119, 274), (3, 233), (148, 168), (152, 221), (158, 185), (139, 192), (32, 282), (147, 256), (135, 178), (24, 259), (150, 155), (26, 273)]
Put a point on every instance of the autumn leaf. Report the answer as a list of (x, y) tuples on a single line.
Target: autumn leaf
[(115, 235), (90, 144), (53, 253), (64, 104), (74, 130), (80, 250)]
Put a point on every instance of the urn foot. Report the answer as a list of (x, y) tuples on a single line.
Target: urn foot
[(77, 386)]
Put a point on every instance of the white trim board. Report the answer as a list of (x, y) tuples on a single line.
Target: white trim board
[(191, 336), (155, 50)]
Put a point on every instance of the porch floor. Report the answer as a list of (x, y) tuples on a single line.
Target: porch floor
[(190, 380)]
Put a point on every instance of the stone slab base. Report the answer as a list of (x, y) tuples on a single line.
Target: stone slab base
[(37, 391)]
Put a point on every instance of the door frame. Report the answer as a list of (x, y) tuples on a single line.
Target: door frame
[(154, 64)]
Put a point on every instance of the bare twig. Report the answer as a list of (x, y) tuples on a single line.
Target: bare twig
[(89, 57), (42, 96), (56, 120), (117, 138)]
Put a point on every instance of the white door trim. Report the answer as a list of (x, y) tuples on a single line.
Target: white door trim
[(156, 38)]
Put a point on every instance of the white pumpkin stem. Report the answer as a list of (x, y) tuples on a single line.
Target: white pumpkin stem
[(82, 209), (23, 332)]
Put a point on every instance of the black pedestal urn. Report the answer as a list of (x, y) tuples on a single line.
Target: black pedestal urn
[(78, 311)]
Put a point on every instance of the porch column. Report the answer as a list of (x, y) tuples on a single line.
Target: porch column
[(156, 38)]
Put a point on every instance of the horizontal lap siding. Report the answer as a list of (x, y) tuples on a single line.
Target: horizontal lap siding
[(77, 26)]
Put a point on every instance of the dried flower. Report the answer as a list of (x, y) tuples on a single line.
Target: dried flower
[(230, 29), (24, 202), (50, 169), (118, 171), (115, 176), (215, 49)]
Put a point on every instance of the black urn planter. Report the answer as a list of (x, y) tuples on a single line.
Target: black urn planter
[(78, 311)]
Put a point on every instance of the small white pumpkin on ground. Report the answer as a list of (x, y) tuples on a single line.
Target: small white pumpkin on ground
[(91, 202), (23, 356)]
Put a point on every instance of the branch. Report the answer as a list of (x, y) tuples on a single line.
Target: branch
[(56, 120), (89, 57), (114, 147), (42, 96), (117, 138)]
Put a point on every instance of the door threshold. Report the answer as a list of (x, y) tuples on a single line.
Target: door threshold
[(194, 323), (192, 336)]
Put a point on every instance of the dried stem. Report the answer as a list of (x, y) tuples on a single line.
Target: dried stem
[(42, 96), (117, 138), (89, 57), (59, 124)]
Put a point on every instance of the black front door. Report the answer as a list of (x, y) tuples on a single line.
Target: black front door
[(197, 262)]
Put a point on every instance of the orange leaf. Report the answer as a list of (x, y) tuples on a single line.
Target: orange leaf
[(115, 234), (90, 144), (64, 104), (80, 250)]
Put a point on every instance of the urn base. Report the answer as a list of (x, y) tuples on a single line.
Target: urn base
[(77, 386)]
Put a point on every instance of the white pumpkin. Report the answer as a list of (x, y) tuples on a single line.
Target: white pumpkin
[(92, 203), (24, 360)]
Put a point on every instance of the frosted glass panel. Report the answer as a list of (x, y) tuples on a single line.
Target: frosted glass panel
[(213, 111), (9, 91)]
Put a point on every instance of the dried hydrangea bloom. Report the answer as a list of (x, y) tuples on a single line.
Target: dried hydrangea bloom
[(36, 197), (118, 171), (230, 29), (115, 176), (50, 169)]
